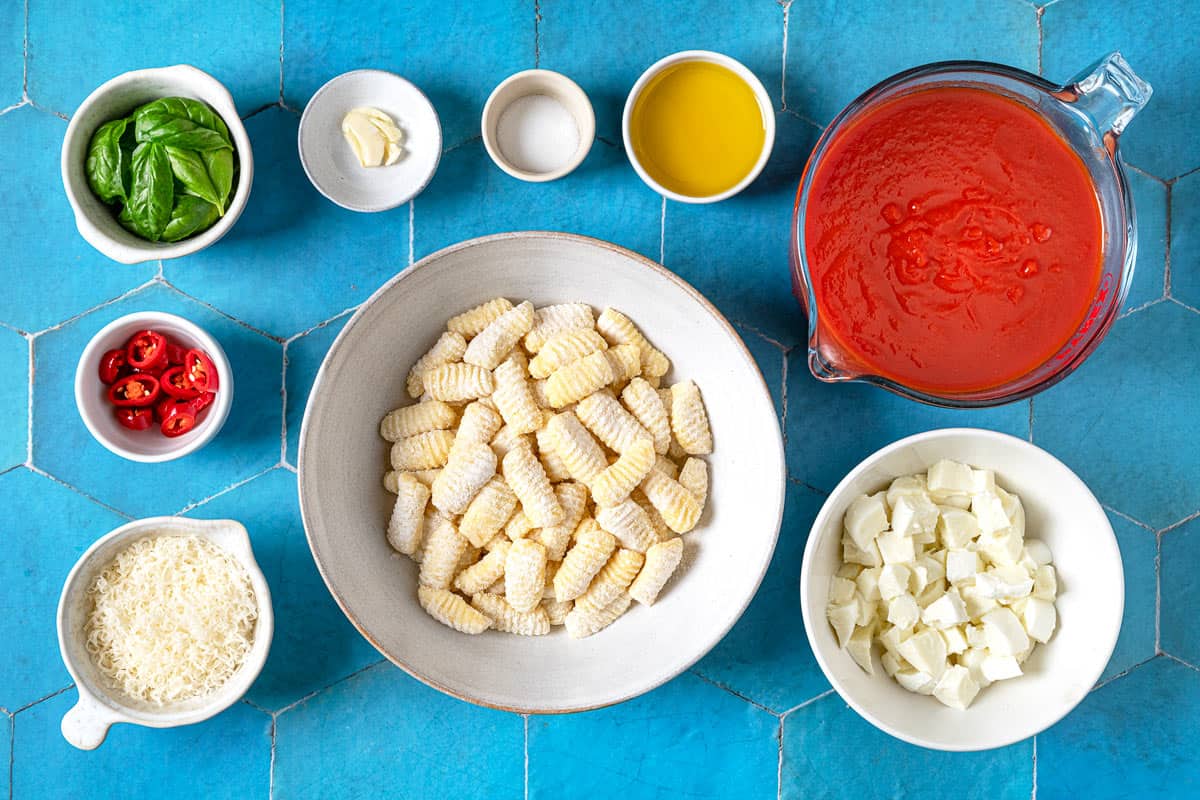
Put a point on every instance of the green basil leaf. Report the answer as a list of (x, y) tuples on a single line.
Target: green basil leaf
[(190, 216), (197, 111), (105, 165), (164, 128), (219, 164), (152, 190), (189, 169)]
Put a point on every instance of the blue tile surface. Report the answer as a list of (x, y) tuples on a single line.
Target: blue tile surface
[(280, 286), (831, 752), (709, 744), (1092, 754), (382, 733)]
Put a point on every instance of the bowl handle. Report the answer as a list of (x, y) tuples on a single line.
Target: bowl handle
[(86, 725)]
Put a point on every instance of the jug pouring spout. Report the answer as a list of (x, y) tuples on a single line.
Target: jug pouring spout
[(1109, 93)]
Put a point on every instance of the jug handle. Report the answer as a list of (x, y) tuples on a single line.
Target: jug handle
[(1110, 93)]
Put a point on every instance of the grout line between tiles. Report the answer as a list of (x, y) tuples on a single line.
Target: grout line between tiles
[(1129, 312), (807, 703), (45, 109), (1181, 523), (282, 11), (329, 686), (36, 470), (1038, 12), (1033, 794), (24, 90), (29, 406), (1122, 674), (271, 768), (412, 231), (289, 468), (1167, 241), (1031, 419), (1158, 593), (808, 486), (779, 763), (537, 39), (50, 696), (1183, 174), (760, 334), (227, 316), (13, 107), (783, 403), (123, 296), (283, 403), (1126, 517), (1181, 662), (526, 718), (1184, 305), (733, 692), (662, 234), (12, 751), (323, 323), (787, 9), (239, 484)]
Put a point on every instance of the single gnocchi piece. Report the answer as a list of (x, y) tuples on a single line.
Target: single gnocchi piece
[(556, 319), (556, 468), (524, 574), (630, 523), (557, 610), (689, 420), (518, 526), (466, 472), (667, 467), (484, 572), (621, 477), (528, 480), (678, 506), (480, 422), (563, 348), (469, 323), (555, 538), (656, 521), (506, 439), (538, 390), (458, 383), (451, 610), (586, 619), (580, 453), (408, 515), (661, 562), (492, 344), (693, 476), (576, 380), (591, 551), (610, 422), (448, 348), (514, 399), (433, 415), (442, 550), (428, 450), (486, 515), (647, 407), (507, 619), (619, 329), (614, 577)]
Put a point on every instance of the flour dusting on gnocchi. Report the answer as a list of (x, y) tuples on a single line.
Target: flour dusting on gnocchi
[(542, 479), (937, 569)]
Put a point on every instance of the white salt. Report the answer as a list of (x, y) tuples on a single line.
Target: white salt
[(536, 133)]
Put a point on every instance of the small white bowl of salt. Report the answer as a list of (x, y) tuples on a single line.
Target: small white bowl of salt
[(538, 125)]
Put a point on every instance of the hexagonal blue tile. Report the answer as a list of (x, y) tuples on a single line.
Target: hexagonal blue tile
[(267, 271), (1150, 203), (1135, 737), (837, 49), (54, 273), (454, 52), (766, 656), (382, 732), (304, 357), (685, 739), (1185, 240), (828, 748), (470, 196), (736, 251), (1139, 550), (14, 399), (634, 38), (1161, 140), (248, 444), (238, 43), (1181, 592), (831, 427), (52, 527), (314, 644), (228, 756), (1124, 417), (12, 44)]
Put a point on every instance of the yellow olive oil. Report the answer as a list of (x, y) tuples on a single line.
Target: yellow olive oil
[(697, 128)]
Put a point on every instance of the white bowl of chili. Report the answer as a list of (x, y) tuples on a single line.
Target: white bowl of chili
[(123, 419)]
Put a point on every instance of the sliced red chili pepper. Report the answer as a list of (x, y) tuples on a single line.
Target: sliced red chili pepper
[(201, 372), (134, 390), (178, 421), (163, 407), (112, 366), (175, 353), (174, 382), (136, 419), (198, 404), (147, 351)]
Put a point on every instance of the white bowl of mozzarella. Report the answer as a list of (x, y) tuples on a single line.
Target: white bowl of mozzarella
[(1042, 515)]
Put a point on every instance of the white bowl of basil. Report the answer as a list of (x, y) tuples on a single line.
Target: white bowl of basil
[(156, 164)]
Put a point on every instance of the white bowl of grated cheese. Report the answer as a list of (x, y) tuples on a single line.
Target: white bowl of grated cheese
[(119, 655)]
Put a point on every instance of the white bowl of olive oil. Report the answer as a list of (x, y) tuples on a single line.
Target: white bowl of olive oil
[(698, 126)]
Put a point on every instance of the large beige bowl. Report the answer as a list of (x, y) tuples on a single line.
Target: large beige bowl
[(345, 508)]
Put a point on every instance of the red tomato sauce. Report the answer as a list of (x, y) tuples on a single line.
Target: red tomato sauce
[(954, 240)]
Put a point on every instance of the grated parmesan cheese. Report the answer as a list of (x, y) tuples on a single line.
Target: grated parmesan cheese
[(170, 618)]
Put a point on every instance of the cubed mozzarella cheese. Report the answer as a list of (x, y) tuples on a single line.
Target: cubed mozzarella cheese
[(961, 565), (935, 567), (891, 637), (1038, 551), (1014, 510), (982, 481), (957, 528), (903, 612), (1003, 632), (956, 688), (856, 555), (843, 618), (891, 663), (840, 591), (988, 509), (925, 650), (1000, 547), (974, 635), (919, 578), (1045, 583), (959, 501), (906, 485), (1040, 619), (945, 612), (895, 548), (859, 648), (916, 681), (977, 602), (893, 580), (956, 639), (1000, 668), (1004, 583), (865, 519), (973, 659), (848, 571), (932, 592), (914, 514), (868, 584), (866, 612), (950, 477)]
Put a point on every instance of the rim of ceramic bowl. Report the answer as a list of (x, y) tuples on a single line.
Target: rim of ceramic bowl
[(116, 243), (331, 85), (764, 106), (538, 79), (642, 261), (205, 431), (97, 708), (833, 505)]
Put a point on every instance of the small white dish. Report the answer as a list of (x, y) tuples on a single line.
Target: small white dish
[(116, 98), (86, 725), (345, 508), (1061, 511), (531, 83), (739, 69), (148, 446), (330, 163)]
